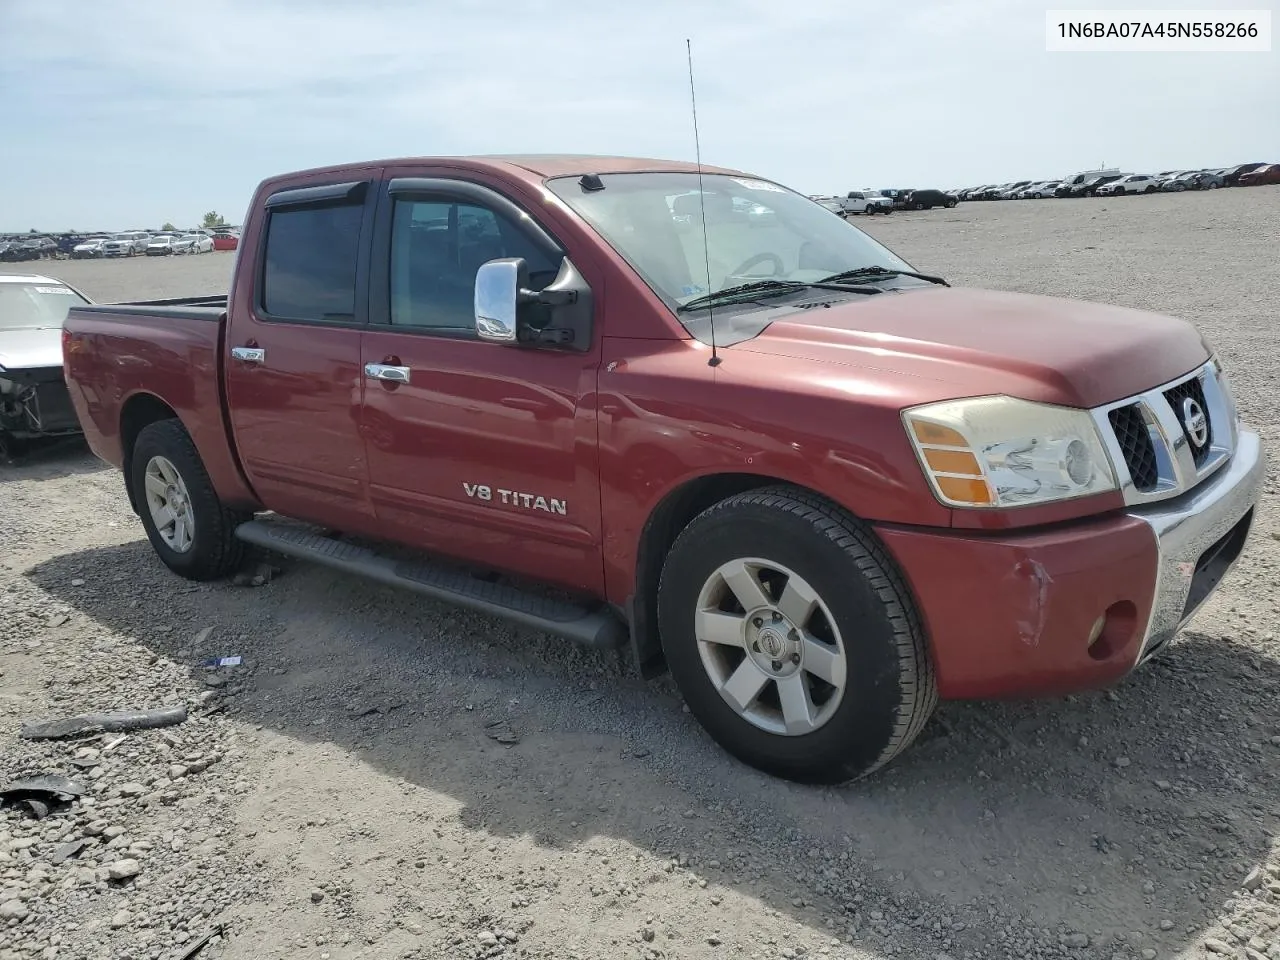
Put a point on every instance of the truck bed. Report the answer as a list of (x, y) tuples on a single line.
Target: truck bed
[(185, 308), (127, 362)]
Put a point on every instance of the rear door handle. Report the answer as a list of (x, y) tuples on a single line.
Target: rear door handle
[(383, 371), (249, 354)]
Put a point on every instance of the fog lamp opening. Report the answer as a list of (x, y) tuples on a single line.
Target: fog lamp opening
[(1113, 631)]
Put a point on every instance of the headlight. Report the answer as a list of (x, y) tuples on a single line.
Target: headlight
[(1003, 452)]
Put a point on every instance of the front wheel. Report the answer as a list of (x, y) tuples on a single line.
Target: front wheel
[(950, 204), (188, 526), (793, 638)]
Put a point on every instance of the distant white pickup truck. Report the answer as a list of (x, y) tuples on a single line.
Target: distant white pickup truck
[(865, 201)]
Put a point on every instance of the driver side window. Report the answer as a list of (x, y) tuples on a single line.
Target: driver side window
[(437, 246)]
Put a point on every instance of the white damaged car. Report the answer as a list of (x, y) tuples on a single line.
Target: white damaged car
[(33, 394)]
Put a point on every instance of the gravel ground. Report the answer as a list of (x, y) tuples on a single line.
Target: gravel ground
[(384, 777)]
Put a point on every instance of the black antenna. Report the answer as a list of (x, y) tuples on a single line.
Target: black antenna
[(702, 203)]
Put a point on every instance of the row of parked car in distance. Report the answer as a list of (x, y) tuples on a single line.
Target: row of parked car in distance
[(16, 248), (165, 243), (870, 202), (137, 243), (1115, 182)]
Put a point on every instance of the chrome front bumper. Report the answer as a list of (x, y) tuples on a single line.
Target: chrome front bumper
[(1199, 536)]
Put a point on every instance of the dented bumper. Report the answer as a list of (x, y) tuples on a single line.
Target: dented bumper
[(1076, 606), (35, 403), (1199, 537)]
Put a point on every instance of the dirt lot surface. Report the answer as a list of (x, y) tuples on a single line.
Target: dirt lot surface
[(342, 795)]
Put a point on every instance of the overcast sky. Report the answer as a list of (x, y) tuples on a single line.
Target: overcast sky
[(119, 114)]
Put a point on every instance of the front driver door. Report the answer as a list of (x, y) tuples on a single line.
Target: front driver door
[(477, 450)]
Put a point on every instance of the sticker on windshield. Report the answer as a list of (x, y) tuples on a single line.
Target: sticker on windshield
[(54, 290), (690, 289), (758, 185)]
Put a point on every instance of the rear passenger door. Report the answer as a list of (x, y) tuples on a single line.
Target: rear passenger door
[(294, 381)]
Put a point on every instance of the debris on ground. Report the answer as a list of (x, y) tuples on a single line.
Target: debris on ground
[(67, 851), (260, 575), (501, 731), (104, 722), (40, 795), (200, 944), (215, 662)]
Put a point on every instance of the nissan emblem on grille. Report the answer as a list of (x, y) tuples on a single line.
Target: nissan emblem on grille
[(1196, 422)]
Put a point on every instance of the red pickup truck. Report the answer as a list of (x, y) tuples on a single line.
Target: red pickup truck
[(625, 400)]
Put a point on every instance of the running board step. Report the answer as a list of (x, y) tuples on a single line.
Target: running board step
[(593, 628)]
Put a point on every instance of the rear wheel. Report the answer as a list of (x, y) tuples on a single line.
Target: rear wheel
[(918, 205), (793, 637), (188, 526)]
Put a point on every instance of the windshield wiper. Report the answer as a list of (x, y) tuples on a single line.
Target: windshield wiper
[(881, 273), (767, 288)]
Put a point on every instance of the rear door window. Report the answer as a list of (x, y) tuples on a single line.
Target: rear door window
[(309, 271)]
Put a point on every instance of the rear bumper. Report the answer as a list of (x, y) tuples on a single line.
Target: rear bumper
[(1013, 616)]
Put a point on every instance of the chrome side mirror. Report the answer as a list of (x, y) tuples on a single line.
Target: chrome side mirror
[(498, 287)]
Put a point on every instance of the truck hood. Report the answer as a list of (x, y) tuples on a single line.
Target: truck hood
[(30, 349), (980, 342)]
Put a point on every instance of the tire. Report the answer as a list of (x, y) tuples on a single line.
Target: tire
[(863, 608), (1213, 186), (950, 204), (213, 551), (917, 205)]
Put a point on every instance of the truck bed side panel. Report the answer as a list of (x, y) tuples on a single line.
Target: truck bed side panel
[(115, 354)]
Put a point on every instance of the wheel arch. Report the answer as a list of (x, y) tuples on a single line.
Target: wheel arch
[(668, 518), (139, 412)]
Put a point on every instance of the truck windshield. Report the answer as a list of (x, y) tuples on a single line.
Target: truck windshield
[(755, 230), (35, 306)]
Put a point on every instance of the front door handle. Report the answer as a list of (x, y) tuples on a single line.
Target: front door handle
[(249, 354), (384, 371)]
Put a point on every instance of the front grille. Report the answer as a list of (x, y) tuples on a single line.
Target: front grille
[(1135, 443), (1193, 390), (1149, 433)]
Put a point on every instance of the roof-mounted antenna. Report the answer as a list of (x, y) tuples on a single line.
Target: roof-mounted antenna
[(702, 204)]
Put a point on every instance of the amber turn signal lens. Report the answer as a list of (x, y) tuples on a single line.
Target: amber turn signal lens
[(952, 461), (965, 490), (937, 434)]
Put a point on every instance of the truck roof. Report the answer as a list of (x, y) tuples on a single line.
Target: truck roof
[(531, 165)]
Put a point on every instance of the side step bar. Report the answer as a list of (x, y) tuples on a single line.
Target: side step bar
[(593, 628)]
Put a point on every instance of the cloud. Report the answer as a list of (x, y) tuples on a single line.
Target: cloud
[(159, 112)]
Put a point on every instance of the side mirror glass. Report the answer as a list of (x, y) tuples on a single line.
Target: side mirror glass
[(498, 287)]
